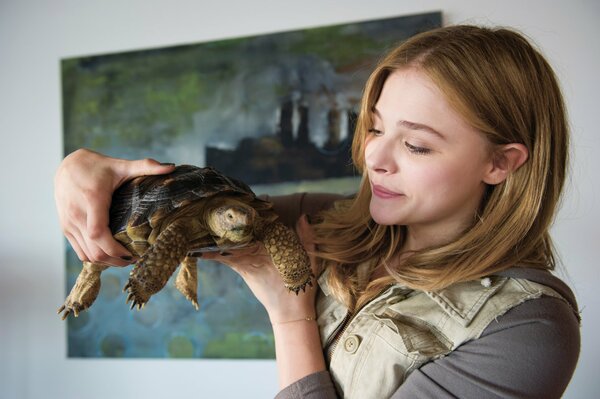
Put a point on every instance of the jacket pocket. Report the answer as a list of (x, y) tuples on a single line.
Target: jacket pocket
[(395, 346), (419, 339)]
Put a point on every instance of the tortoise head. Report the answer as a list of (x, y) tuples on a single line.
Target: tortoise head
[(232, 221)]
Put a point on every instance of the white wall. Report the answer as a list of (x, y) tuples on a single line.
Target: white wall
[(36, 34)]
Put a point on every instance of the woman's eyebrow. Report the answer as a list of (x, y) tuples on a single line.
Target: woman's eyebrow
[(412, 125), (419, 126)]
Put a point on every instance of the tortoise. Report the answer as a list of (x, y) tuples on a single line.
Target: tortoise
[(169, 220)]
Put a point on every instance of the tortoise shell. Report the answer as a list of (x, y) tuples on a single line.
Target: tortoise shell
[(140, 205), (138, 201)]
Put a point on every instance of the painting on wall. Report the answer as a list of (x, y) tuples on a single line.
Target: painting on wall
[(276, 111)]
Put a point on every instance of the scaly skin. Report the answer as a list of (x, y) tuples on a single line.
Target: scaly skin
[(288, 255), (187, 280), (84, 292), (153, 270)]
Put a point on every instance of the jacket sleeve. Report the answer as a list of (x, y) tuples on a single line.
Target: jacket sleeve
[(529, 352)]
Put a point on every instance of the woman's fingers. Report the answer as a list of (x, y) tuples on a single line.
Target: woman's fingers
[(99, 239), (127, 170), (74, 241), (252, 256), (305, 232), (101, 248), (306, 235), (84, 184)]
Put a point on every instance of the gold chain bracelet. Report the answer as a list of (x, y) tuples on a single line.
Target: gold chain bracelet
[(307, 318)]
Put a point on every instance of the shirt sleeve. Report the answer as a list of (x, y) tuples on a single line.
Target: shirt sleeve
[(291, 207), (314, 386), (529, 352)]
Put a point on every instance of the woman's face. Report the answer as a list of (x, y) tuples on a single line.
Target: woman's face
[(426, 165)]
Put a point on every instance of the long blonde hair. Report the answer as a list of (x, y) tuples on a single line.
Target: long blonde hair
[(504, 88)]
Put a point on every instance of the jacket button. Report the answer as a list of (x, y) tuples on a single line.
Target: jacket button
[(351, 344)]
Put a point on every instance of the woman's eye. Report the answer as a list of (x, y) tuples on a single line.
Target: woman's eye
[(375, 132), (417, 150)]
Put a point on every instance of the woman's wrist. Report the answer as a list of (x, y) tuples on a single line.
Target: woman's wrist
[(298, 349), (309, 318), (297, 309)]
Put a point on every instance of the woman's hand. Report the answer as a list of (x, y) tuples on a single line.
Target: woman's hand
[(258, 271), (83, 188), (297, 341)]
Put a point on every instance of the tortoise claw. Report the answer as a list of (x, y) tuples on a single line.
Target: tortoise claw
[(296, 289), (65, 314), (68, 308), (133, 296)]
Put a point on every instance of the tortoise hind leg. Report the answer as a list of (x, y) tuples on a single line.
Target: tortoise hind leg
[(84, 292), (289, 256), (187, 280), (153, 270)]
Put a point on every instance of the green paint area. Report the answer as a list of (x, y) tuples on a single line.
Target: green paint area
[(113, 345), (242, 346), (180, 347)]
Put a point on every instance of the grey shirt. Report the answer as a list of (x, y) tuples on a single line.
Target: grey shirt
[(529, 352)]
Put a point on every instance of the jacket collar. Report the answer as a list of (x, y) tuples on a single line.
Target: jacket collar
[(462, 301)]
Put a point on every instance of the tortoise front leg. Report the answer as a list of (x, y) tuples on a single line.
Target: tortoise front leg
[(288, 255), (187, 280), (85, 290), (153, 270)]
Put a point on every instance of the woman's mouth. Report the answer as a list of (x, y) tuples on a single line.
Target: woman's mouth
[(382, 192)]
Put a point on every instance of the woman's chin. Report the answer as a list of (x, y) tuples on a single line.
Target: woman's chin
[(383, 217)]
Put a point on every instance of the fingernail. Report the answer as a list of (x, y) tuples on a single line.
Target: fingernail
[(127, 258), (167, 164)]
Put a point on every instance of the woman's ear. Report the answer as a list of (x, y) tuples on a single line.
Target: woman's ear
[(506, 159)]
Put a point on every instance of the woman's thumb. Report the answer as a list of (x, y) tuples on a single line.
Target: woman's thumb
[(144, 167)]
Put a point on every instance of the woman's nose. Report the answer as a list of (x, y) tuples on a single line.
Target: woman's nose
[(379, 156)]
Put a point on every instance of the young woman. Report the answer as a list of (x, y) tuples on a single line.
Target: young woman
[(434, 280)]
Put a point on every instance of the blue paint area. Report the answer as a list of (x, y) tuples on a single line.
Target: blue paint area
[(231, 323)]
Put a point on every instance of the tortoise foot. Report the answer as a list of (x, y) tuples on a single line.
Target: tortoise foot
[(137, 295), (71, 307), (289, 256), (152, 271), (84, 292), (187, 280)]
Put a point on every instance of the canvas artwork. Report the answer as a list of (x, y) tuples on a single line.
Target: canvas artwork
[(276, 111)]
